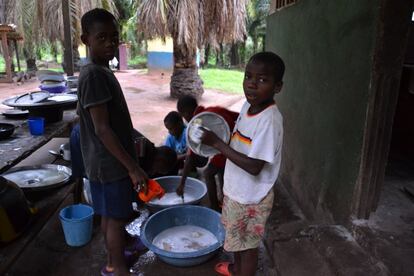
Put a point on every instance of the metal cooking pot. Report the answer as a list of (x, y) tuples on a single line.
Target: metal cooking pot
[(6, 130), (15, 212)]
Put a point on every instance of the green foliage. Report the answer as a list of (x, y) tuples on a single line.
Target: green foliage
[(138, 62), (224, 80)]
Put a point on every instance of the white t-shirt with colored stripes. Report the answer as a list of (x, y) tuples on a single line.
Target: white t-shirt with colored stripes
[(259, 136)]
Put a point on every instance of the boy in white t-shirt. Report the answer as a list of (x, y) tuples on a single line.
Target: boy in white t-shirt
[(253, 162)]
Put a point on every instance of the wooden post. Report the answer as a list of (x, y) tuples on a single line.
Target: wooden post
[(6, 57), (17, 54), (68, 55)]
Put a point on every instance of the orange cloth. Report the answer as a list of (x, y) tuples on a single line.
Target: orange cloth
[(154, 190)]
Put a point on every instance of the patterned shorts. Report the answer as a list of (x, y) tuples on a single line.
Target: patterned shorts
[(245, 223)]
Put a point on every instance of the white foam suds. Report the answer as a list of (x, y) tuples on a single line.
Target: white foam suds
[(173, 199), (186, 238)]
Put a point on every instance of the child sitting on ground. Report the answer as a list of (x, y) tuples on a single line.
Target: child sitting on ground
[(188, 107), (176, 134), (253, 162)]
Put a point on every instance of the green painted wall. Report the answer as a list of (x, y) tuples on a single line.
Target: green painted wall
[(327, 47)]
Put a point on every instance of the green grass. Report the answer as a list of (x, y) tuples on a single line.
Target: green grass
[(224, 80)]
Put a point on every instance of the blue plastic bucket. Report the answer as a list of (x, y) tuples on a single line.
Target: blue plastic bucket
[(36, 125), (77, 223)]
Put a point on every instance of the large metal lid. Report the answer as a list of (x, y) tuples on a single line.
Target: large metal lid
[(212, 122), (31, 98), (39, 177), (40, 99)]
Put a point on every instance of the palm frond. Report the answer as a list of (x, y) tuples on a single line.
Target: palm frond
[(153, 18), (193, 22)]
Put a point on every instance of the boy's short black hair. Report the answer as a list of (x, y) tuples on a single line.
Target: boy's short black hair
[(186, 102), (94, 16), (273, 60), (173, 118)]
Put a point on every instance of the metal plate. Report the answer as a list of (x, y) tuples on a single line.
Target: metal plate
[(213, 122), (39, 177), (15, 113)]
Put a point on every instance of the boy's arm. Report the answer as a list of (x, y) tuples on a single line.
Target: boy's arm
[(188, 164), (250, 165), (99, 114), (191, 160)]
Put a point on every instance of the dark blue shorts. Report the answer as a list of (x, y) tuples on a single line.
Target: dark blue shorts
[(113, 199), (78, 170)]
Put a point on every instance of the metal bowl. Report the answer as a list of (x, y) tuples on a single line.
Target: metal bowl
[(214, 123), (183, 215)]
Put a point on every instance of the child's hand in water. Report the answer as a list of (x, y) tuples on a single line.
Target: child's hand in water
[(180, 190), (209, 138)]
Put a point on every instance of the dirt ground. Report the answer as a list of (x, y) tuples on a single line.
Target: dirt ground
[(147, 96)]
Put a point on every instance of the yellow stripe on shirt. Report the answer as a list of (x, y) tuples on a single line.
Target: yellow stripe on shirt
[(240, 137)]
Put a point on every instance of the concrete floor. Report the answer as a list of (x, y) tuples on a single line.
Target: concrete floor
[(294, 246)]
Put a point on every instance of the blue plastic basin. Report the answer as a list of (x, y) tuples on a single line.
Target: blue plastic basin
[(170, 183), (178, 216)]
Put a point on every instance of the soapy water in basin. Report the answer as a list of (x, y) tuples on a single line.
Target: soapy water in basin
[(173, 199), (186, 238)]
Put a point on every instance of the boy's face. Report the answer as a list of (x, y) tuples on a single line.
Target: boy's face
[(174, 129), (187, 114), (259, 84), (102, 40)]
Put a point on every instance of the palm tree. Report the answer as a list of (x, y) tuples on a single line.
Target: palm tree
[(191, 24), (256, 21), (53, 13), (42, 20)]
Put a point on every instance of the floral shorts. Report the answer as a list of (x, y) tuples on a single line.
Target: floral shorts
[(245, 223)]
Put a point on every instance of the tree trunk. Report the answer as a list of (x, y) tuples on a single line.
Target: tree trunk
[(30, 59), (54, 51), (31, 65), (255, 42), (206, 55), (220, 56), (76, 58), (234, 54), (243, 53), (264, 43), (185, 79)]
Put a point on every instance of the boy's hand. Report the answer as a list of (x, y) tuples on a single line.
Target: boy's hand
[(180, 190), (209, 138), (139, 178)]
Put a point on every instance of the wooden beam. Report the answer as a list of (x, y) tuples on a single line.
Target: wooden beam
[(17, 54), (67, 44), (6, 56)]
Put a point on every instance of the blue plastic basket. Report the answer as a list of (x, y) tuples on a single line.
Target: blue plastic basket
[(77, 223)]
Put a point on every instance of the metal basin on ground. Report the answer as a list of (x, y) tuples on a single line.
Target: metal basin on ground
[(194, 189), (178, 216)]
